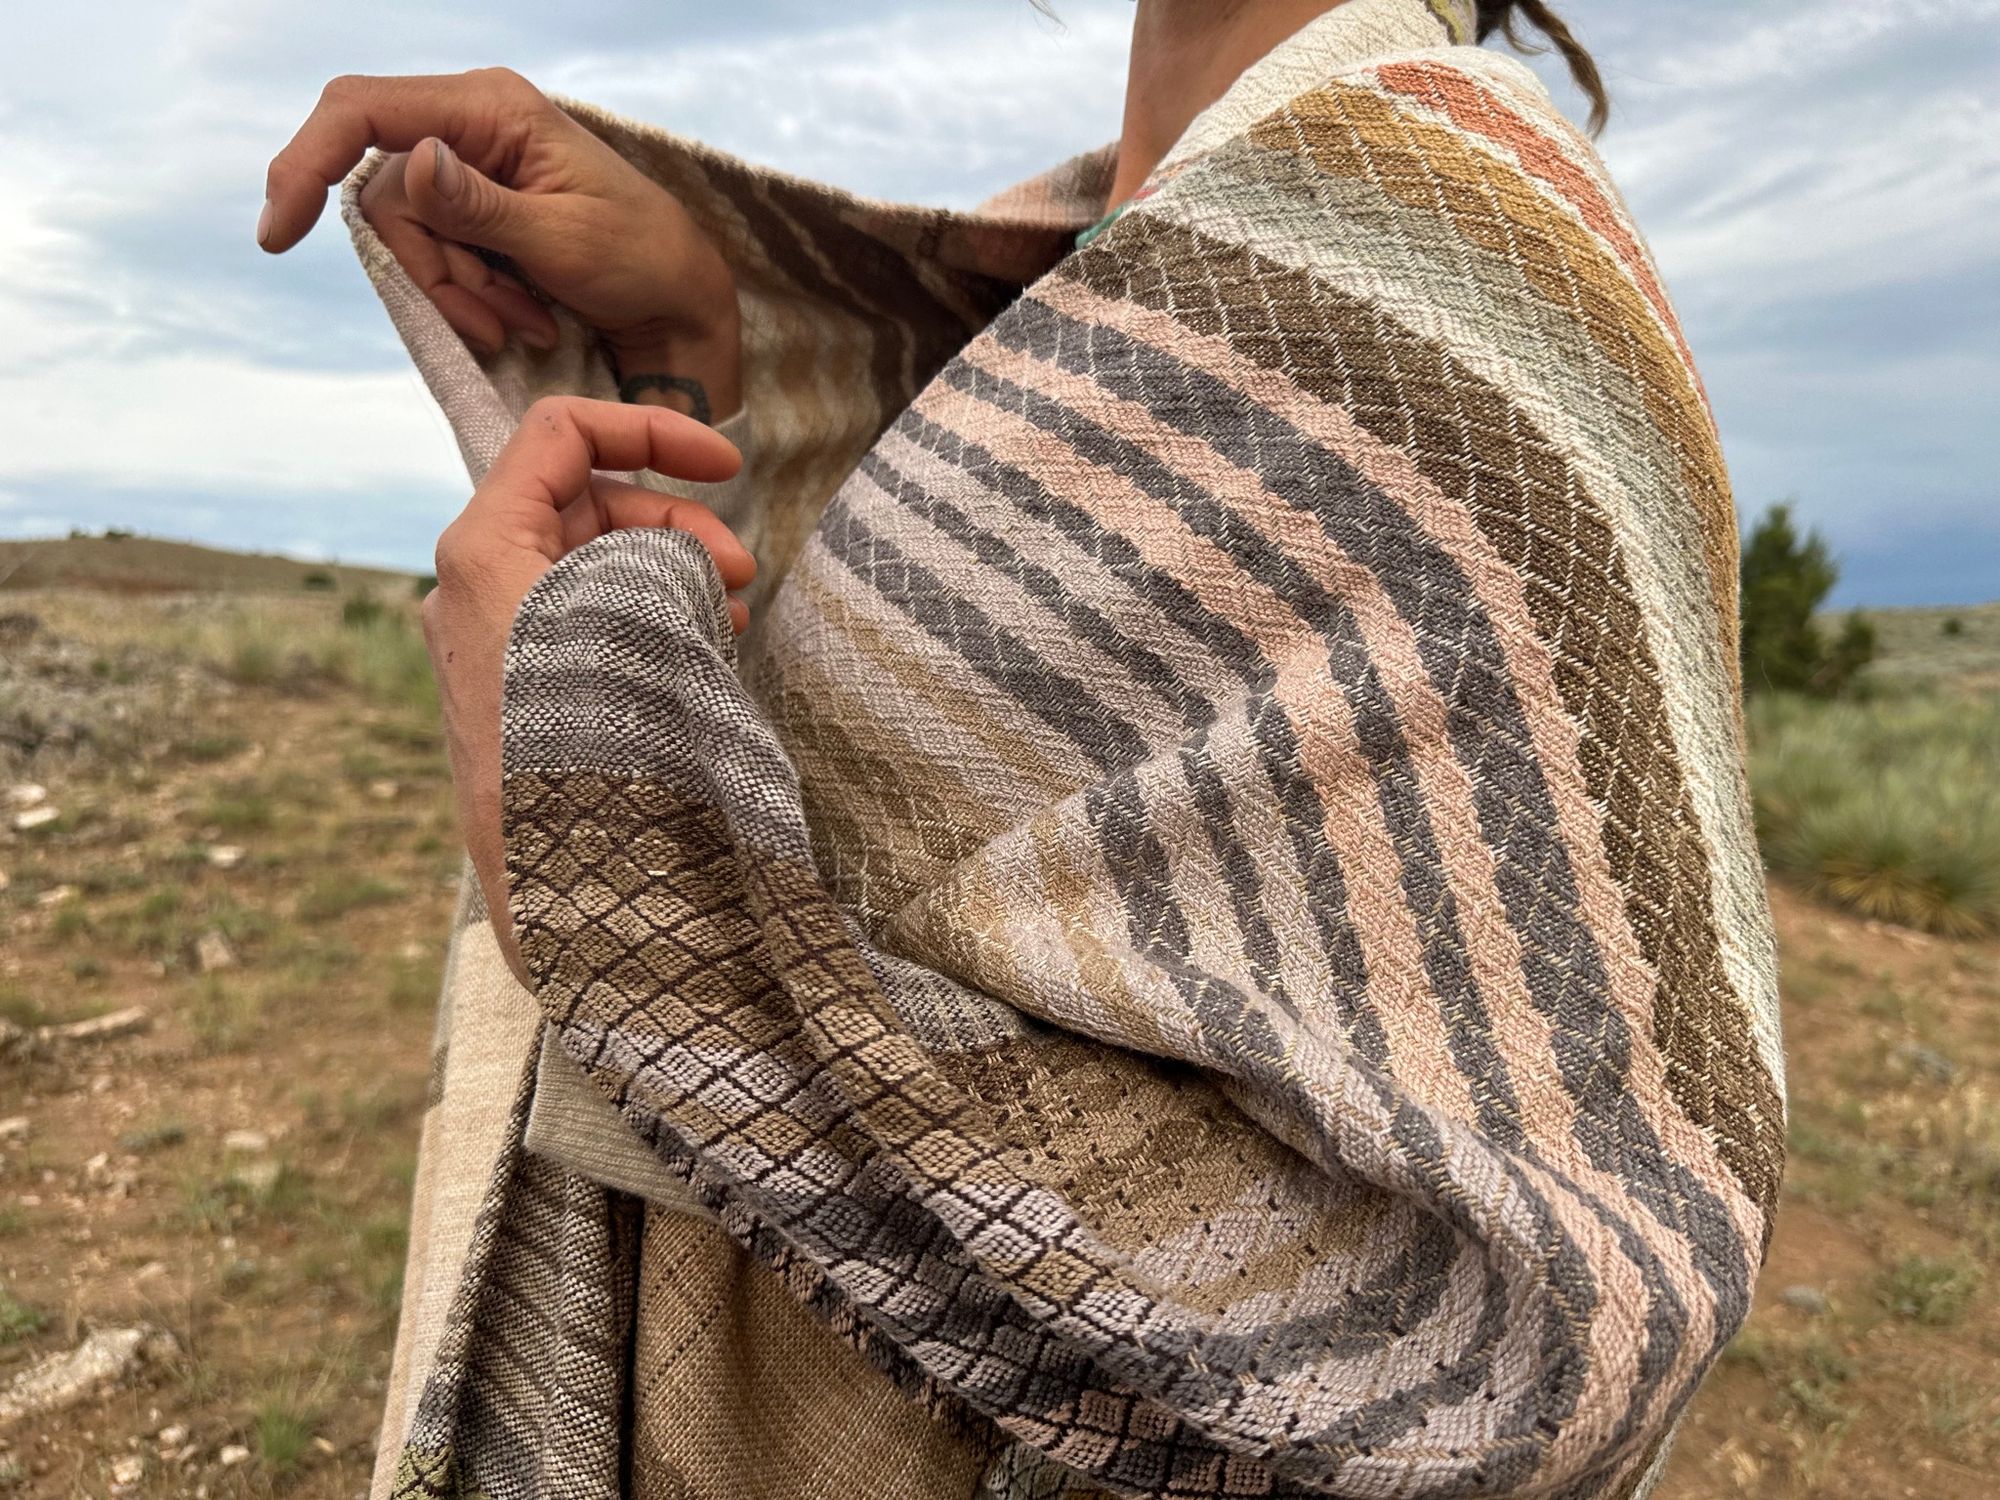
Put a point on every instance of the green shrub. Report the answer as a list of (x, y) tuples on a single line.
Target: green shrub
[(1935, 1292), (317, 580), (360, 609), (336, 895), (1786, 579), (1889, 806), (18, 1321), (387, 661)]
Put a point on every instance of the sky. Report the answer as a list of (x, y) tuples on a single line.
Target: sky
[(1820, 183)]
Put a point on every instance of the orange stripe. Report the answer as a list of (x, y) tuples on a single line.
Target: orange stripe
[(1475, 109)]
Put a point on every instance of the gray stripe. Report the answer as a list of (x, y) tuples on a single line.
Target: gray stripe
[(1270, 727), (1210, 795), (1490, 737), (994, 652)]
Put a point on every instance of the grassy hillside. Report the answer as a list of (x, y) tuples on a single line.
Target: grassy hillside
[(147, 565), (253, 842), (1962, 644)]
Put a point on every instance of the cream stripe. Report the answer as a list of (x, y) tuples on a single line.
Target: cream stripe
[(1321, 718), (1556, 744), (1337, 40), (1663, 550), (1025, 775)]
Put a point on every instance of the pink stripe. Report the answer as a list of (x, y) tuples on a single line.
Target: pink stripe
[(1556, 742), (1328, 747), (1474, 109)]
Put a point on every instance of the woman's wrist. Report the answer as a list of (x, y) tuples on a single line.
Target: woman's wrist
[(689, 362), (697, 372)]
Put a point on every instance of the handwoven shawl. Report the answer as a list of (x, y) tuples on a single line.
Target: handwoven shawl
[(1211, 943)]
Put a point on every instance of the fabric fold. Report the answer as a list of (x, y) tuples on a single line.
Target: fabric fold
[(1211, 938)]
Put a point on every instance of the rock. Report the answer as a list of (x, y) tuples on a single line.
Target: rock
[(1926, 1062), (325, 1446), (1807, 1299), (56, 895), (257, 1177), (57, 1381), (27, 794), (36, 817), (383, 790), (225, 856), (173, 1437), (102, 1028), (246, 1140), (232, 1455), (97, 1171), (14, 1128), (126, 1472), (212, 952)]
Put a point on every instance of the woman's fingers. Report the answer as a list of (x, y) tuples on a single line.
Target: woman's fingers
[(548, 461), (504, 302), (522, 313), (482, 304), (613, 505), (355, 113)]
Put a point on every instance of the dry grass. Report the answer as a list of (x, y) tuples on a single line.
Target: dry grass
[(278, 1271), (1889, 805), (282, 1279)]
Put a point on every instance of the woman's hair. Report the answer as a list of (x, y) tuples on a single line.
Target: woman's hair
[(1504, 15)]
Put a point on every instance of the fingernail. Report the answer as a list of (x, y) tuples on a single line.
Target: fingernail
[(264, 223), (449, 177), (538, 338)]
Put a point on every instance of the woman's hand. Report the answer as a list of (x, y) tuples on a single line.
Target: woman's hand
[(539, 501), (485, 159)]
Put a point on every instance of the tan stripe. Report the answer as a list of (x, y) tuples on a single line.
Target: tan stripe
[(1355, 132), (1537, 150), (1329, 751), (886, 819), (903, 653), (1543, 524)]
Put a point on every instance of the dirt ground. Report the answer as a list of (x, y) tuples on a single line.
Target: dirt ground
[(259, 852)]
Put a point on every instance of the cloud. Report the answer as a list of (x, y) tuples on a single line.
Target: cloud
[(1821, 186)]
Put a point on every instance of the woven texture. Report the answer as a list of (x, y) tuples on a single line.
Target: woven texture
[(1211, 945)]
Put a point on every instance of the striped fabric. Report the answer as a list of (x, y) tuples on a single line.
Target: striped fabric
[(1211, 944)]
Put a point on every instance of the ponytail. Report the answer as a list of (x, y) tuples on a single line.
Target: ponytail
[(1503, 15)]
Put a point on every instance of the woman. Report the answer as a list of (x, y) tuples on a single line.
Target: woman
[(1213, 944)]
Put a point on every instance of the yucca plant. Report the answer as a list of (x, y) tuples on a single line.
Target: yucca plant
[(1889, 806)]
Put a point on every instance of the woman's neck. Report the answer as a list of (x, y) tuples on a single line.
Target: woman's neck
[(1185, 54)]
